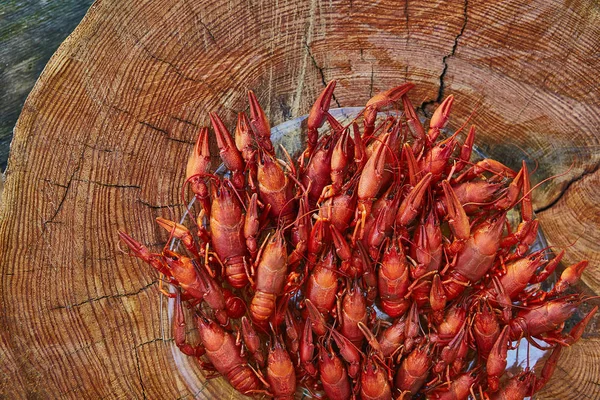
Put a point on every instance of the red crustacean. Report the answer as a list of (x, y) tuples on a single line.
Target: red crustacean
[(187, 276), (374, 382), (496, 362), (459, 389), (485, 328), (476, 256), (307, 350), (382, 228), (369, 184), (280, 372), (198, 166), (227, 234), (352, 310), (381, 222), (231, 156), (393, 280), (252, 341), (270, 278), (414, 370), (381, 100), (392, 338), (322, 284), (225, 356), (317, 174), (548, 320), (259, 125), (275, 188), (318, 116), (179, 331), (333, 374), (349, 352)]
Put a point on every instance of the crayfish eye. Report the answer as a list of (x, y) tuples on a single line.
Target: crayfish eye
[(442, 145)]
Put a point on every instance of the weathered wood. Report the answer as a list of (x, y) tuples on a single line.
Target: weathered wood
[(103, 139), (30, 32)]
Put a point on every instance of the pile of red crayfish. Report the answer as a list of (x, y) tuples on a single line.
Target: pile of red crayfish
[(381, 264)]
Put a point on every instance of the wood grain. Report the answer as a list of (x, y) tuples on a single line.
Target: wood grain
[(575, 383), (103, 138)]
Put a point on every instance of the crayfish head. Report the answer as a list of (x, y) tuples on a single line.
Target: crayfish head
[(180, 266), (270, 174), (225, 207), (172, 258), (211, 334), (438, 157), (487, 235), (562, 309)]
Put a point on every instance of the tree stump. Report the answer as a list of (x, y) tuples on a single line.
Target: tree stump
[(103, 138)]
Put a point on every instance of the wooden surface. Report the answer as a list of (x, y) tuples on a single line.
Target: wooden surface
[(103, 138), (30, 32)]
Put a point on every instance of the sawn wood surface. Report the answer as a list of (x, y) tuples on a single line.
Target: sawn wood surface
[(103, 138)]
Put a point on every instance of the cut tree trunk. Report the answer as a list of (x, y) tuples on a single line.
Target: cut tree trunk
[(104, 136)]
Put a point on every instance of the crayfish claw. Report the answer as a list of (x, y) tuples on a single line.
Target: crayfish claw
[(440, 118), (260, 124), (318, 112)]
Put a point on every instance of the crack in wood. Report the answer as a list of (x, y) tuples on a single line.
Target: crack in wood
[(107, 296), (424, 105), (206, 28), (170, 64), (448, 56), (111, 185), (185, 121), (50, 182), (567, 186), (64, 197), (193, 395), (159, 206), (164, 132), (168, 340), (96, 148), (139, 371), (321, 72)]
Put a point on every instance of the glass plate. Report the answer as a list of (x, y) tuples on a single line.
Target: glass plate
[(290, 135)]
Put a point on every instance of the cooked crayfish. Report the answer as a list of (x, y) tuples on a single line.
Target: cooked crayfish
[(387, 233)]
